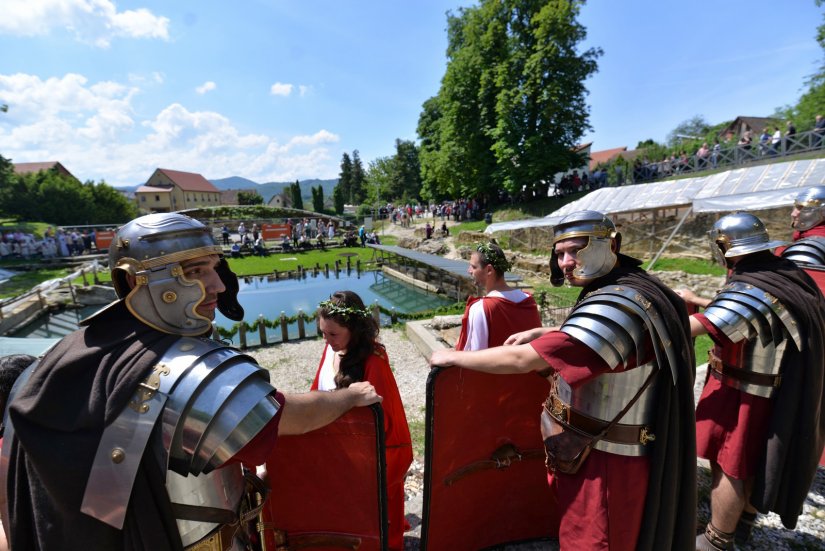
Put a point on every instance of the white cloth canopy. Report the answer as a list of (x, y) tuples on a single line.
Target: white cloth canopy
[(750, 188)]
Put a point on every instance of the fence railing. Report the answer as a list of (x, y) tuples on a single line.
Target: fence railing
[(731, 155)]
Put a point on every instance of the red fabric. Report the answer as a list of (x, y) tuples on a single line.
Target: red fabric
[(396, 437), (731, 425), (257, 450), (816, 231), (603, 503), (510, 317)]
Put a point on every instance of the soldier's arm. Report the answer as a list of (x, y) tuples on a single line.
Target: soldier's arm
[(313, 410), (501, 360), (696, 327)]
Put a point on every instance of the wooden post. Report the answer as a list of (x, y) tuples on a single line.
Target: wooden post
[(83, 276), (349, 264), (71, 290), (95, 278), (376, 312), (284, 328), (277, 275), (393, 316), (358, 266), (301, 330), (262, 329), (242, 336), (326, 270)]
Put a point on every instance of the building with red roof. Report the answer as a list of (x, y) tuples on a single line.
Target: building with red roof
[(34, 168), (171, 190)]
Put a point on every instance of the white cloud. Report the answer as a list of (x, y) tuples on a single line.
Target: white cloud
[(303, 89), (94, 129), (91, 21), (206, 87), (280, 89)]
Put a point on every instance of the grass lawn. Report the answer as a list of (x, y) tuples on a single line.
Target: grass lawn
[(24, 281)]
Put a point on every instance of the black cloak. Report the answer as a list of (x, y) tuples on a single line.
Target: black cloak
[(78, 388), (796, 433), (669, 520)]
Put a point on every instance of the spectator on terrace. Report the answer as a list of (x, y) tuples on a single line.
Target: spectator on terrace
[(819, 130), (241, 231), (235, 250), (444, 231), (259, 248), (776, 141), (225, 234), (702, 156), (428, 231), (331, 230), (286, 244), (255, 232), (714, 155)]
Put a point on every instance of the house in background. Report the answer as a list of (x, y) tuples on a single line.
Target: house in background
[(172, 190), (604, 157), (34, 168), (740, 125), (280, 201)]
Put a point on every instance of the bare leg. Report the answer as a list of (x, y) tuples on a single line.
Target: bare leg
[(727, 500)]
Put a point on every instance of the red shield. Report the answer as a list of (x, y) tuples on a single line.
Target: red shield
[(485, 482), (818, 275), (328, 489)]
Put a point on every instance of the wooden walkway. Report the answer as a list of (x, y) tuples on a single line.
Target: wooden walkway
[(457, 268)]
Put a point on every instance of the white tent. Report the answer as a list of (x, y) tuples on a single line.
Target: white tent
[(751, 188)]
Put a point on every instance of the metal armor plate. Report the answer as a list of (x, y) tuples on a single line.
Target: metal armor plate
[(809, 251), (748, 315)]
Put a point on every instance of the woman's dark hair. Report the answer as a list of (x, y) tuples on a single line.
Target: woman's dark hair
[(347, 310), (11, 367)]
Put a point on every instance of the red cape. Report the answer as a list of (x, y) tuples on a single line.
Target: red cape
[(510, 317)]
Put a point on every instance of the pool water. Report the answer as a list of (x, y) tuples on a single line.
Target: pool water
[(260, 295), (267, 297)]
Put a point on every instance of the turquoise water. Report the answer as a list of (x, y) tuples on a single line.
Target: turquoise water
[(270, 298), (262, 296)]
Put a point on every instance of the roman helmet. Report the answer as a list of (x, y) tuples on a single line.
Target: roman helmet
[(598, 257), (739, 234), (810, 202), (151, 249)]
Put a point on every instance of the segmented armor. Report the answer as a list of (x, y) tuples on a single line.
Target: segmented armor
[(807, 252)]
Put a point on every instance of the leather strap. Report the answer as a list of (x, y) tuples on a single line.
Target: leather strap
[(221, 539), (502, 458), (622, 434), (198, 513), (290, 542), (720, 370)]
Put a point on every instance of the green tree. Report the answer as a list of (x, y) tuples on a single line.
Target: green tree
[(295, 195), (358, 192), (345, 178), (338, 199), (6, 172), (511, 106), (110, 206), (692, 130), (406, 182), (250, 198), (380, 176), (318, 198)]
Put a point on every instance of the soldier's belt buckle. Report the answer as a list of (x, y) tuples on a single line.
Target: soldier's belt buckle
[(559, 409), (646, 436)]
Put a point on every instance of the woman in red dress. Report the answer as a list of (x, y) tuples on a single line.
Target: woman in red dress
[(353, 353)]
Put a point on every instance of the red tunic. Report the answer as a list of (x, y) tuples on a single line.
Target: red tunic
[(816, 231), (396, 437), (504, 317), (603, 504), (731, 425)]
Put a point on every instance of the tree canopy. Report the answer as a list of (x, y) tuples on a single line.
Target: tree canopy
[(53, 197), (511, 106)]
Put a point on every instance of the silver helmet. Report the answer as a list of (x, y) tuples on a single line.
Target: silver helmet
[(150, 249), (598, 257), (739, 234), (810, 202)]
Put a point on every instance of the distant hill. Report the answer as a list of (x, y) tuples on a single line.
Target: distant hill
[(270, 189)]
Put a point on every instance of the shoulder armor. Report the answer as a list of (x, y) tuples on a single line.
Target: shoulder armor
[(742, 311), (213, 400), (806, 251), (612, 322)]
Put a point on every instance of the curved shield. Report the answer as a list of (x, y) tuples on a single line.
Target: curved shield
[(818, 275), (485, 482), (328, 487)]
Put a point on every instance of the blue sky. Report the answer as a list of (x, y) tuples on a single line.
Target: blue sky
[(278, 90)]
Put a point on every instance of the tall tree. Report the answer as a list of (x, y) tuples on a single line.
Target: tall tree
[(318, 198), (295, 195), (345, 178), (693, 129), (357, 193), (338, 200), (511, 106), (406, 183), (250, 198), (380, 176)]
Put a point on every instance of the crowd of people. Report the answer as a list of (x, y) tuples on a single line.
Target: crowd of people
[(621, 433), (59, 243)]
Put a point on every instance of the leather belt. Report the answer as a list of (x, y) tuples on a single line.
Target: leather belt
[(219, 540), (621, 434), (719, 370)]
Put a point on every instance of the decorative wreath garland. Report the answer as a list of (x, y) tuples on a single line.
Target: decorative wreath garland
[(494, 257)]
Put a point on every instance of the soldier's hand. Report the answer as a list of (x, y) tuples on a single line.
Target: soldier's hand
[(442, 358), (364, 394), (687, 295), (527, 336)]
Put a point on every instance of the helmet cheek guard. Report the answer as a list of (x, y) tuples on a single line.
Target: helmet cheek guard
[(598, 257), (228, 300), (739, 234), (811, 206)]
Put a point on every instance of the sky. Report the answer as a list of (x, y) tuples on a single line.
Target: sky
[(278, 90)]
